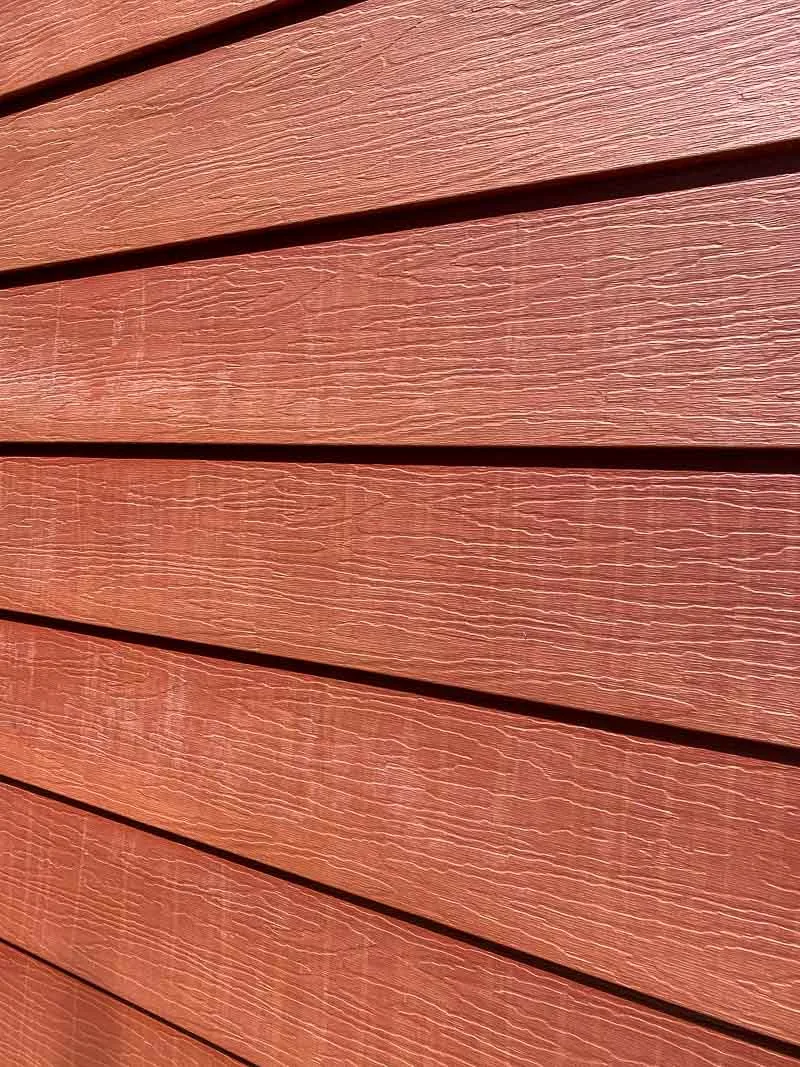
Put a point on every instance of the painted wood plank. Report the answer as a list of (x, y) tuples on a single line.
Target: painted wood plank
[(280, 973), (669, 319), (48, 1019), (603, 852), (656, 594), (391, 101), (44, 39)]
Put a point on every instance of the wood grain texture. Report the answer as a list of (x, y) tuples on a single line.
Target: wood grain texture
[(44, 39), (282, 974), (668, 319), (668, 595), (391, 101), (50, 1020), (606, 853)]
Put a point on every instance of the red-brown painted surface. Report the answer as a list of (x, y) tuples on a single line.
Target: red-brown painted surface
[(48, 1019), (666, 595), (423, 803), (278, 972), (665, 319), (44, 39), (390, 101), (489, 755)]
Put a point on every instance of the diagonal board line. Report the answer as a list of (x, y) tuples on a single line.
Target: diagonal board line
[(622, 992), (666, 733), (625, 183), (259, 19), (233, 1057)]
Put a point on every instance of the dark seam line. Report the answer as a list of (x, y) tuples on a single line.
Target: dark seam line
[(681, 736), (528, 959), (260, 19), (232, 1056), (626, 183), (700, 459)]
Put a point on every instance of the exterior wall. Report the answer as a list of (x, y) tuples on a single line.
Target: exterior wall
[(399, 587)]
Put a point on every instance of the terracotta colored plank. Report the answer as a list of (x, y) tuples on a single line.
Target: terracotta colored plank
[(50, 1020), (280, 973), (44, 39), (668, 595), (605, 853), (391, 101), (668, 319)]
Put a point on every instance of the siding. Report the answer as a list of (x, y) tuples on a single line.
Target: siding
[(391, 101), (386, 794), (677, 308), (661, 594), (399, 497), (49, 1018), (280, 973), (43, 42)]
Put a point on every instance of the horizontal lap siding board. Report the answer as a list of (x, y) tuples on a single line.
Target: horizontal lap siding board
[(390, 101), (666, 595), (48, 1019), (610, 854), (669, 319), (280, 973), (44, 39)]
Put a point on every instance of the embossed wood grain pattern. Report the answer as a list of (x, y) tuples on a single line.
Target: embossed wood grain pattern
[(603, 852), (44, 39), (391, 101), (668, 595), (666, 319), (50, 1020), (280, 973)]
